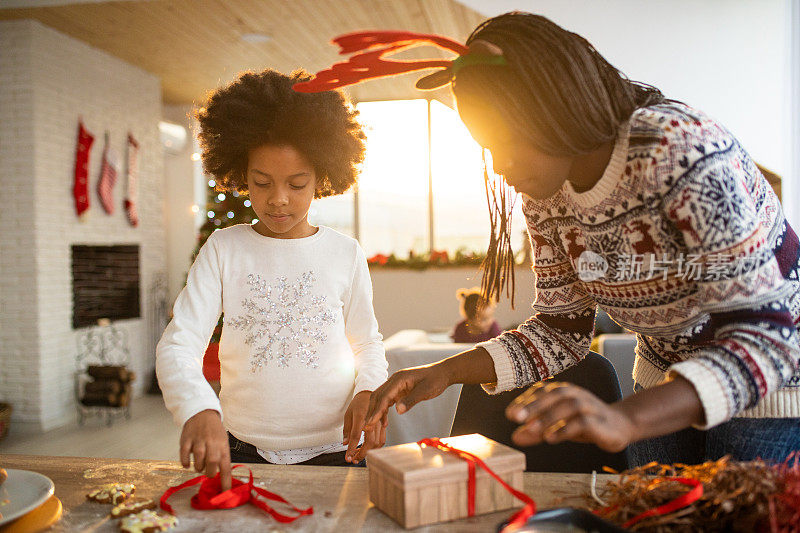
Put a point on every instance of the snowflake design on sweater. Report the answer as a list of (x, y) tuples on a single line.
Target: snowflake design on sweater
[(283, 321)]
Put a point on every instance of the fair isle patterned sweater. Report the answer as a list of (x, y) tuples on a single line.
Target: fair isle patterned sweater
[(683, 242)]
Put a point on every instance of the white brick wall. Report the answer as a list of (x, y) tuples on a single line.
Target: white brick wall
[(49, 80), (179, 170)]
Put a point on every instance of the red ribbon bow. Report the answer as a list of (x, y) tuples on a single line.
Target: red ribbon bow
[(519, 518), (210, 496)]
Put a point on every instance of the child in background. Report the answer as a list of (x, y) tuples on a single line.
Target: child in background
[(479, 324), (300, 350)]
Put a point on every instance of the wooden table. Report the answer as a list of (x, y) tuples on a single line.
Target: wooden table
[(339, 495)]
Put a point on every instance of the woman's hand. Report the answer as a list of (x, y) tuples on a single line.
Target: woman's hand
[(406, 388), (556, 412), (354, 425), (204, 438)]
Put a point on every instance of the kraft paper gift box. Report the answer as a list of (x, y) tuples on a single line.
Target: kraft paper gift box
[(418, 485)]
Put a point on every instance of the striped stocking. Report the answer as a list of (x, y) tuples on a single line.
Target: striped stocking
[(133, 177)]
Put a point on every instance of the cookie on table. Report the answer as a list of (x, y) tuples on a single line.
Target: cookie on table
[(115, 493), (132, 506), (147, 522)]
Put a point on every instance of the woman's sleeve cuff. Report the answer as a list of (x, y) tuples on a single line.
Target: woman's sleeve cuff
[(503, 367), (710, 390)]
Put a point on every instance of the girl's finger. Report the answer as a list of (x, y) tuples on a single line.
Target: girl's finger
[(348, 424), (199, 453), (225, 470), (186, 453), (370, 442), (353, 438), (212, 464)]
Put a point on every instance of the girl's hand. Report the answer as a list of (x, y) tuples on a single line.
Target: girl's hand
[(406, 388), (204, 438), (555, 412), (353, 426)]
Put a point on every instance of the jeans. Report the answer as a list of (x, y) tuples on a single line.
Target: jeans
[(745, 439), (243, 452)]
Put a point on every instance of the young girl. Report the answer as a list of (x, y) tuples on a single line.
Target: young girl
[(300, 349), (479, 324), (651, 210)]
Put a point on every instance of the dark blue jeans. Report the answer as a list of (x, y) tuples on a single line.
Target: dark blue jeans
[(745, 439)]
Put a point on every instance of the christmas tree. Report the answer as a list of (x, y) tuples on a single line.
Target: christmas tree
[(223, 209)]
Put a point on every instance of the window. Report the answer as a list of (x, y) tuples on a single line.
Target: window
[(395, 209), (394, 191), (393, 188), (337, 212)]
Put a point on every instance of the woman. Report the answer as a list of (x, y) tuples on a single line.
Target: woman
[(654, 212)]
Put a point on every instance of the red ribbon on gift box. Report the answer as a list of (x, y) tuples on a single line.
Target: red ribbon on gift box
[(210, 496), (519, 518)]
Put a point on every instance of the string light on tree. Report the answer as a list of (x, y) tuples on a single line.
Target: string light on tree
[(224, 209)]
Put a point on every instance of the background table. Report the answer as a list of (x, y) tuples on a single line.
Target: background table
[(339, 496), (432, 418)]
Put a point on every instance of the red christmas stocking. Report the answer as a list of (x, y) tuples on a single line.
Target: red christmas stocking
[(108, 177), (80, 189), (133, 176)]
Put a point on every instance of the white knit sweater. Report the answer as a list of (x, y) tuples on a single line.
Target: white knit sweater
[(299, 338)]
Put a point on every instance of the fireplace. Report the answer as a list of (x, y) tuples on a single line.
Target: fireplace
[(105, 283)]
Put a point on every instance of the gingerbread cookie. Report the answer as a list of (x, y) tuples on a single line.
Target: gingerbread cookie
[(114, 493), (132, 506), (147, 522)]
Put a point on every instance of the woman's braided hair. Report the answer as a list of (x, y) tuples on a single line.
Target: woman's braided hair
[(557, 93)]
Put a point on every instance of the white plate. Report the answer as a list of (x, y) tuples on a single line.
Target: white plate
[(24, 491)]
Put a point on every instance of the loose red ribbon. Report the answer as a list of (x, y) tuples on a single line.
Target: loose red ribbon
[(210, 496), (519, 518), (678, 503)]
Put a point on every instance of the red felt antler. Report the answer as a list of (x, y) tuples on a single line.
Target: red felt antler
[(370, 64)]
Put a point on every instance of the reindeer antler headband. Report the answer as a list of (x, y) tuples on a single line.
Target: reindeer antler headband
[(370, 64)]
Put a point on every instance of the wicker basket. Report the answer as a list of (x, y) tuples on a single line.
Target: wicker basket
[(5, 418)]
